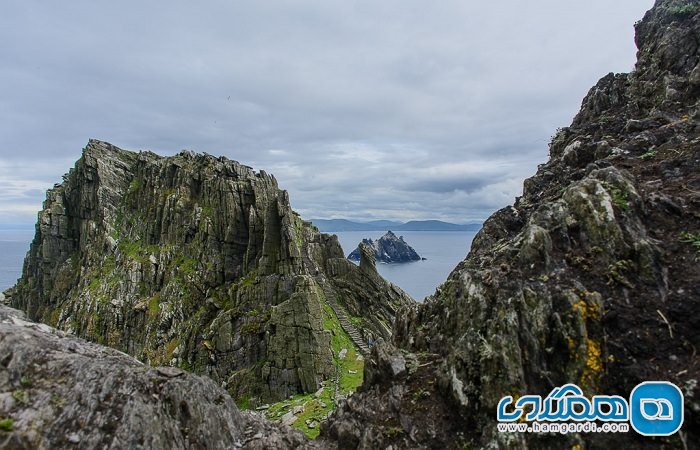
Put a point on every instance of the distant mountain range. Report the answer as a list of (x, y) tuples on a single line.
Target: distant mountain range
[(331, 225)]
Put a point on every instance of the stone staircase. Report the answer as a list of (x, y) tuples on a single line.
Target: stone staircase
[(349, 328)]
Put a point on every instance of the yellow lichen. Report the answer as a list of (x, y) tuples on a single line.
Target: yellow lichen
[(113, 338), (587, 310), (594, 365)]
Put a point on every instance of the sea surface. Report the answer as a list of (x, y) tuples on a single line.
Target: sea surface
[(443, 250), (14, 245)]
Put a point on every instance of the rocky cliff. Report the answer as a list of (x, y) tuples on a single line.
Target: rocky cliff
[(389, 249), (590, 277), (195, 262)]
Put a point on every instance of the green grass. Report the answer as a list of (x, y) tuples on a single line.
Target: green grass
[(357, 322), (690, 238), (684, 11), (298, 232), (25, 382), (248, 279), (620, 198), (186, 265), (134, 186), (94, 285), (131, 249), (349, 382), (137, 251), (102, 279), (649, 155), (243, 403), (255, 321), (154, 306), (316, 409), (208, 211), (7, 424)]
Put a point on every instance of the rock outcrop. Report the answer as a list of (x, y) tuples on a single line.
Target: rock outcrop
[(58, 391), (195, 262), (590, 278), (389, 249)]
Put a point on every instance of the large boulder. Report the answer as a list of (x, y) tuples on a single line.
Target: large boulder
[(58, 391)]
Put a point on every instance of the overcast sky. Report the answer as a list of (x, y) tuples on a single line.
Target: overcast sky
[(391, 109)]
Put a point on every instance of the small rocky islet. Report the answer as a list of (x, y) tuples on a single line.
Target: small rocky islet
[(387, 249), (200, 265)]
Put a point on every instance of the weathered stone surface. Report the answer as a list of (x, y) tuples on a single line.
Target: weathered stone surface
[(386, 361), (388, 248), (590, 278), (365, 294), (63, 392), (196, 262)]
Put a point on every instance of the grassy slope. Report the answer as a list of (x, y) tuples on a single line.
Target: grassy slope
[(316, 408)]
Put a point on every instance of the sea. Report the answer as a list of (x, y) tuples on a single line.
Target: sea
[(442, 251), (14, 245)]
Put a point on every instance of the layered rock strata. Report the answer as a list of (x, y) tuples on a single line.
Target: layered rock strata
[(196, 262)]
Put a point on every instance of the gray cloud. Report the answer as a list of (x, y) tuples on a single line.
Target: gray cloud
[(360, 109)]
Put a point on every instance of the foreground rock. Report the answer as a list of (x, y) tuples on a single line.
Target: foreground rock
[(196, 262), (57, 391), (389, 249), (590, 278)]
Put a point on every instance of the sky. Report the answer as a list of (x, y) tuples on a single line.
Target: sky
[(390, 109)]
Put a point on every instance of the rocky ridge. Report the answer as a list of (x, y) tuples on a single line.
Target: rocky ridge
[(590, 277), (389, 249), (195, 262)]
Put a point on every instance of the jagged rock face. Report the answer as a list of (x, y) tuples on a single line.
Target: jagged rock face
[(191, 261), (57, 391), (355, 287), (389, 249), (590, 278)]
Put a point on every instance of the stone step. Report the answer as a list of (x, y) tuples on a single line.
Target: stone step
[(345, 323)]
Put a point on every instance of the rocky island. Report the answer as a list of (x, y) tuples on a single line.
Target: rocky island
[(388, 249)]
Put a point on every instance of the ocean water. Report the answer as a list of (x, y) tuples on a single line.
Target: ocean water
[(443, 250), (14, 245)]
